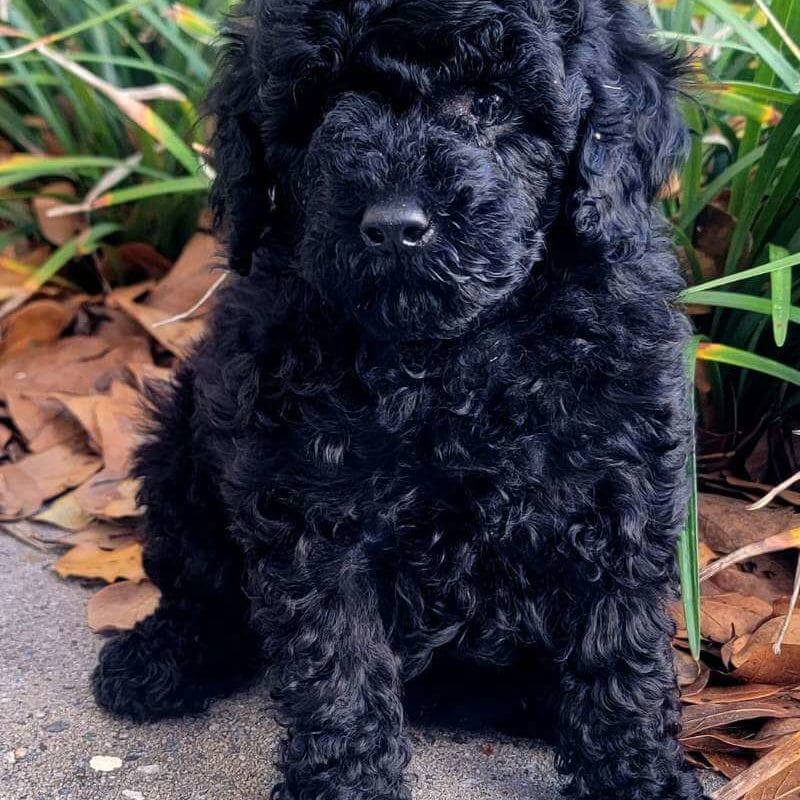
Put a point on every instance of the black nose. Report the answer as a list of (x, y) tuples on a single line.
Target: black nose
[(396, 224)]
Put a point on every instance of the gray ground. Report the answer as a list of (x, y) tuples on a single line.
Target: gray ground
[(50, 728)]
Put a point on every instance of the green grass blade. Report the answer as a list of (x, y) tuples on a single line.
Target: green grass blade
[(753, 272), (194, 23), (81, 245), (778, 141), (72, 30), (706, 41), (756, 91), (688, 541), (782, 197), (724, 100), (139, 113), (749, 34), (146, 191), (20, 167), (781, 294), (692, 174), (735, 357), (742, 302), (690, 212), (188, 49)]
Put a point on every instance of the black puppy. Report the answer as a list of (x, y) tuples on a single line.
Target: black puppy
[(446, 408)]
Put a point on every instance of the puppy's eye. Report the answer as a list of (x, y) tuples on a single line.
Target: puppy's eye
[(492, 109)]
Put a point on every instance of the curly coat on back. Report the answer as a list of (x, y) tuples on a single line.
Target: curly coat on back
[(444, 408)]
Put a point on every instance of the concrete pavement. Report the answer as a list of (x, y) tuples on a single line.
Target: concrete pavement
[(50, 728)]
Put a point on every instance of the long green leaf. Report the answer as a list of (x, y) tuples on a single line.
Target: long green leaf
[(741, 358), (753, 272), (751, 35), (688, 541), (72, 30), (757, 91), (145, 191), (741, 302), (781, 293), (689, 214), (83, 244), (20, 167), (778, 141), (706, 41)]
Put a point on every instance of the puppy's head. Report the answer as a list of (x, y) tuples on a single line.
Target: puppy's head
[(415, 155)]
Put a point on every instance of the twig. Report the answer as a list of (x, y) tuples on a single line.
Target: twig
[(776, 647), (770, 496), (772, 544), (189, 311)]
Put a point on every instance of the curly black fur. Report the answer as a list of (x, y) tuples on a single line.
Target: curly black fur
[(477, 448)]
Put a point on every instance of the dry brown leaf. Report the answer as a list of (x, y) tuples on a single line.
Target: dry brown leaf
[(726, 524), (41, 420), (107, 496), (177, 337), (185, 284), (120, 606), (686, 668), (119, 418), (82, 408), (73, 365), (727, 615), (20, 495), (57, 230), (705, 555), (730, 649), (765, 577), (707, 716), (716, 742), (727, 764), (768, 767), (36, 323), (697, 686), (5, 435), (189, 279), (65, 512), (784, 784), (141, 256), (26, 484), (737, 693), (104, 535), (148, 373), (90, 561), (757, 662), (774, 728)]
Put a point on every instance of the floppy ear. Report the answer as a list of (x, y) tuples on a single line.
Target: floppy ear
[(632, 135), (243, 190)]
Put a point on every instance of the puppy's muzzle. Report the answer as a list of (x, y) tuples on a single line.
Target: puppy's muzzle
[(395, 225)]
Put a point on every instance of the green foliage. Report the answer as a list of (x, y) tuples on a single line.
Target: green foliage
[(104, 92), (745, 160)]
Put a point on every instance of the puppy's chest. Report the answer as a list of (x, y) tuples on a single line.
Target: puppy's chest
[(432, 436)]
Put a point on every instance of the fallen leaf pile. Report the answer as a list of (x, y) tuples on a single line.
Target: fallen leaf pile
[(72, 368), (741, 713)]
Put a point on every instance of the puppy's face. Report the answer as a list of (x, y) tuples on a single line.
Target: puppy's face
[(425, 145)]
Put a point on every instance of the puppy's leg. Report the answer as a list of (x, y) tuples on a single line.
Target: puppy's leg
[(620, 710), (197, 645), (334, 679)]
